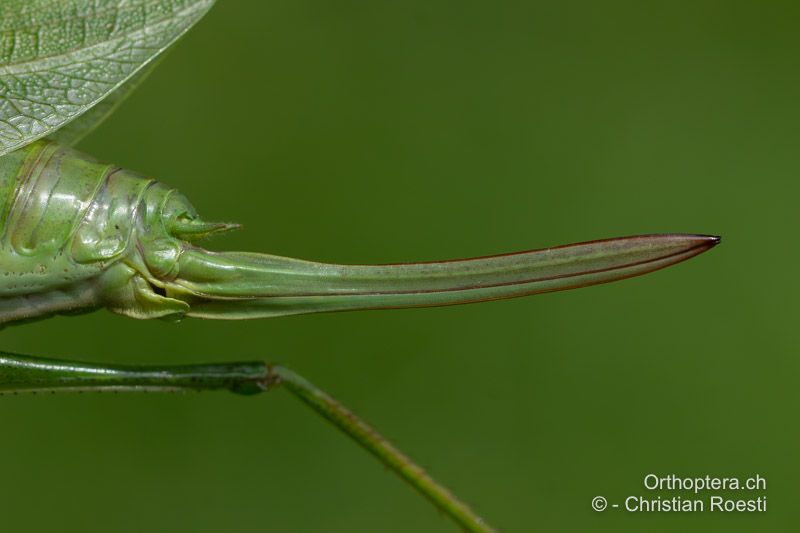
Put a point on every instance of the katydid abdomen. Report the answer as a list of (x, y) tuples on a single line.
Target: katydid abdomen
[(78, 234)]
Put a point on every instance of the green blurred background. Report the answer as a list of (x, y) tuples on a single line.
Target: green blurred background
[(387, 131)]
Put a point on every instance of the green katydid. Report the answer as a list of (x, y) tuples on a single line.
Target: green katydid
[(77, 234)]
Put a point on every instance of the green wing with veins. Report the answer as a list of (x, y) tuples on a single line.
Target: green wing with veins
[(72, 132), (59, 59)]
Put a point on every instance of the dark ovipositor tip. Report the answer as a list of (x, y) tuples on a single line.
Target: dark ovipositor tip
[(709, 241), (689, 240)]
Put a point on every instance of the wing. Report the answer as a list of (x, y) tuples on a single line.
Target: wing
[(59, 59), (75, 130)]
